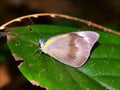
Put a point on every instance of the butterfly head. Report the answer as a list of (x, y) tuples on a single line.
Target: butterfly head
[(42, 43)]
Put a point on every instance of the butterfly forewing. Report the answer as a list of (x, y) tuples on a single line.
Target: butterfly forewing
[(72, 48)]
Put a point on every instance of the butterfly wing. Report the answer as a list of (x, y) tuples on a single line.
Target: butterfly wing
[(73, 48)]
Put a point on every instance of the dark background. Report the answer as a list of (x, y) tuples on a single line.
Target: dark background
[(99, 11), (104, 12)]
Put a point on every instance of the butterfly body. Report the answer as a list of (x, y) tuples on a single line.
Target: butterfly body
[(72, 48)]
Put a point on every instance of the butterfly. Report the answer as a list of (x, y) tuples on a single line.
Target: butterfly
[(71, 48)]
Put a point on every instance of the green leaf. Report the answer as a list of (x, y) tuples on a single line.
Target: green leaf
[(4, 51), (101, 72)]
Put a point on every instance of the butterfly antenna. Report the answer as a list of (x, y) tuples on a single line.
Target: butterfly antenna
[(34, 26)]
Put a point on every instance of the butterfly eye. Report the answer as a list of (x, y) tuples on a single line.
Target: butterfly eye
[(42, 42), (39, 45)]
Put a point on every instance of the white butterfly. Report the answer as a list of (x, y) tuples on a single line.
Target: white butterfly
[(72, 48)]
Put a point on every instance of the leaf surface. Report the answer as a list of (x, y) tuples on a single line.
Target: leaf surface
[(100, 72)]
